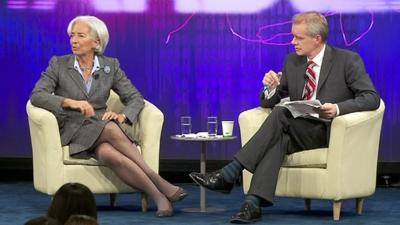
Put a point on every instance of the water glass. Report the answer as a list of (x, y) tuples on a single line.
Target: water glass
[(212, 126), (186, 125)]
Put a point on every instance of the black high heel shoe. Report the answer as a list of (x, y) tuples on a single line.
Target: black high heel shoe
[(178, 195)]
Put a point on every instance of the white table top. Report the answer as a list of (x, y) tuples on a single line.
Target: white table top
[(193, 137)]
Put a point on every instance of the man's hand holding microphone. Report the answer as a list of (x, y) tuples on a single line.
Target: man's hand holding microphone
[(271, 80)]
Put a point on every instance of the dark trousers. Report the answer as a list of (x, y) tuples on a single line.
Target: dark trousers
[(279, 134)]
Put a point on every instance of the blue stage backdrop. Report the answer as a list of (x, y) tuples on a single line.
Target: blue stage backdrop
[(192, 57)]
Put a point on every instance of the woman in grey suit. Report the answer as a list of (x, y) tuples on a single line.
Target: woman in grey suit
[(75, 88)]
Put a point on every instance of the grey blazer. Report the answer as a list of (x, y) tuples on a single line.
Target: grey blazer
[(343, 81), (61, 80)]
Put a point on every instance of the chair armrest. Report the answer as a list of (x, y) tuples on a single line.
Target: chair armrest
[(150, 124), (355, 134), (46, 147), (353, 146), (250, 121)]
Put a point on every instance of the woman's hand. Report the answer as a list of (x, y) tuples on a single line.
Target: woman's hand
[(120, 118), (83, 106)]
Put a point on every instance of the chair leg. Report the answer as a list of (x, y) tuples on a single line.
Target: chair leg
[(359, 205), (307, 204), (144, 202), (113, 199), (336, 209)]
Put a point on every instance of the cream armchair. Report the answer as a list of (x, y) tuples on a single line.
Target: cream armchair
[(52, 166), (344, 170)]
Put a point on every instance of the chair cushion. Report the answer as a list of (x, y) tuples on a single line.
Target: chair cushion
[(67, 160), (315, 158)]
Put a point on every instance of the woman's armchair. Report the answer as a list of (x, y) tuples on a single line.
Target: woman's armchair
[(52, 166)]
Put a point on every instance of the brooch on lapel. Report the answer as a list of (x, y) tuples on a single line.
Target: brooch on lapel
[(107, 69)]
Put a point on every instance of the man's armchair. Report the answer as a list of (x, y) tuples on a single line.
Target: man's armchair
[(52, 166), (344, 170)]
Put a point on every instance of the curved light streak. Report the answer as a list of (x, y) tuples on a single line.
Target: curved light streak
[(360, 36), (259, 40), (179, 28), (269, 41)]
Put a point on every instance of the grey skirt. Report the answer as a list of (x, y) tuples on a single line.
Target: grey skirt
[(83, 143)]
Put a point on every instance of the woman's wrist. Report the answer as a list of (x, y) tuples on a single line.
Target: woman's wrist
[(123, 118), (66, 102)]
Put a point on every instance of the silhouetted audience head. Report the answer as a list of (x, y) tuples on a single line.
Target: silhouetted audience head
[(81, 220), (72, 199), (42, 220)]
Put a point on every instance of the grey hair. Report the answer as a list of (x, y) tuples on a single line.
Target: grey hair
[(316, 23), (98, 30)]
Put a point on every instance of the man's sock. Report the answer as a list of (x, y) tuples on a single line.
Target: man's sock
[(254, 200), (232, 171)]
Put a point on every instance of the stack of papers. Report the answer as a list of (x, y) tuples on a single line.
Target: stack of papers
[(302, 108)]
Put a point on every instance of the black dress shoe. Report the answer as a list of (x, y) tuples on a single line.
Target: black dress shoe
[(247, 214), (213, 181)]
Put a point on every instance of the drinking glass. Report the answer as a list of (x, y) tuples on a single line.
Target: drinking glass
[(186, 125), (212, 126)]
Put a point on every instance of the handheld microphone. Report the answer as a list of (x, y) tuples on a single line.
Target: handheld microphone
[(266, 87)]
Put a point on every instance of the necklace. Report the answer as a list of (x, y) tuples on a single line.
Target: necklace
[(85, 68), (89, 68)]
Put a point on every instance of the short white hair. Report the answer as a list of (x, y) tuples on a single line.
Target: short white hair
[(98, 30), (316, 23)]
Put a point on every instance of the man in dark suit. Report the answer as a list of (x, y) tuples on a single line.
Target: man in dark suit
[(336, 77)]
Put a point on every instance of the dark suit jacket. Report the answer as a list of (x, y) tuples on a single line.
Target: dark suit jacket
[(61, 80), (342, 81)]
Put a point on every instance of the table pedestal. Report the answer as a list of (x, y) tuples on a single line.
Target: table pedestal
[(202, 189), (203, 141)]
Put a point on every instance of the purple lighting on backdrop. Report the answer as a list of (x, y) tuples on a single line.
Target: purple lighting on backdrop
[(346, 6), (270, 40), (99, 5), (120, 5), (44, 4), (253, 6), (178, 28), (17, 4), (222, 6), (39, 4), (342, 30), (260, 39)]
